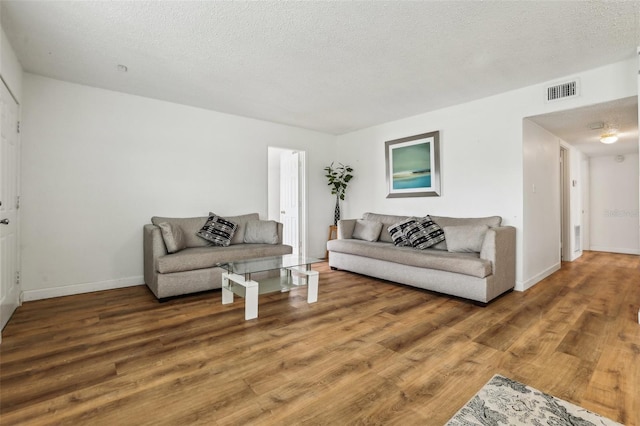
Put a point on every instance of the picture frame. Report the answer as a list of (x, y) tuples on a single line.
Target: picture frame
[(413, 166)]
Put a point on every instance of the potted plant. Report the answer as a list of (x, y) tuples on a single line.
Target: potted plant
[(338, 178)]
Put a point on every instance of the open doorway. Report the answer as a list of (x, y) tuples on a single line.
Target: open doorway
[(287, 195), (598, 181)]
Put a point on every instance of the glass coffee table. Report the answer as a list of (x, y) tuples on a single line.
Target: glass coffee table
[(295, 271)]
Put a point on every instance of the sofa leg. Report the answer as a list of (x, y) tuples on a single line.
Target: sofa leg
[(333, 268)]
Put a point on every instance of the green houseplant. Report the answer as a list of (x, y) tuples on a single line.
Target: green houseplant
[(338, 178)]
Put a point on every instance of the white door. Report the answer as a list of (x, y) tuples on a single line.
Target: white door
[(9, 286), (289, 199)]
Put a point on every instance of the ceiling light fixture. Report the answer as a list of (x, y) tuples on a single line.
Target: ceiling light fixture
[(609, 137)]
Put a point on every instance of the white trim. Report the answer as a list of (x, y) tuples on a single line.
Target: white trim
[(68, 290), (615, 250), (575, 255), (522, 286)]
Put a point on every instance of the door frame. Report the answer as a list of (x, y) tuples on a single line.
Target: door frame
[(19, 294), (273, 191)]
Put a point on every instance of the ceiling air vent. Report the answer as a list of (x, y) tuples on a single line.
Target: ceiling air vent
[(560, 91)]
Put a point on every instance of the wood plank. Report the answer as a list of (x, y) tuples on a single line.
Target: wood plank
[(369, 352)]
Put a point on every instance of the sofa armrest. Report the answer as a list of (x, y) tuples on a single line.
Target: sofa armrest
[(499, 247), (280, 231), (153, 247), (345, 228)]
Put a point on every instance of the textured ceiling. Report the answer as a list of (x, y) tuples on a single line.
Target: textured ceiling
[(575, 126), (329, 66)]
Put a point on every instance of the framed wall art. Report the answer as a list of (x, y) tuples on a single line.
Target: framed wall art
[(413, 166)]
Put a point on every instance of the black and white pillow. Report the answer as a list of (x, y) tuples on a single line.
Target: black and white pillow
[(218, 230), (397, 232), (423, 233)]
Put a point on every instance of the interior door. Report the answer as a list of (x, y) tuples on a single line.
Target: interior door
[(289, 198), (9, 285)]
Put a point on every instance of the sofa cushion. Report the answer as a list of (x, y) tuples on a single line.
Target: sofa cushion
[(386, 220), (208, 257), (396, 231), (189, 227), (490, 221), (172, 236), (261, 232), (423, 233), (462, 263), (241, 221), (465, 238), (367, 230), (218, 230)]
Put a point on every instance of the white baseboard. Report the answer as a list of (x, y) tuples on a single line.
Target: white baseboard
[(68, 290), (615, 250), (525, 285)]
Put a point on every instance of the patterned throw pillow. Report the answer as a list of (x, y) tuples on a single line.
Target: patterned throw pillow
[(218, 230), (397, 232), (423, 233)]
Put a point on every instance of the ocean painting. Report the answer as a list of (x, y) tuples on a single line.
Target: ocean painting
[(411, 166)]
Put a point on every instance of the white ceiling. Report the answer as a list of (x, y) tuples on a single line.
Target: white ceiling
[(575, 126), (329, 66)]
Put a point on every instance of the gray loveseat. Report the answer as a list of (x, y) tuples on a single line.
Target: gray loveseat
[(479, 264), (193, 268)]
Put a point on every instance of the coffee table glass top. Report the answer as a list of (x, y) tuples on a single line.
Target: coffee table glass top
[(262, 264)]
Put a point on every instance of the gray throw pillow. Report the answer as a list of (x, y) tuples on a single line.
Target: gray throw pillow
[(218, 230), (465, 238), (490, 221), (423, 233), (367, 230), (261, 232), (189, 226), (173, 237), (397, 232)]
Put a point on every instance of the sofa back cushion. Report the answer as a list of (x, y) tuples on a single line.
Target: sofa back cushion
[(386, 220), (490, 221), (189, 227)]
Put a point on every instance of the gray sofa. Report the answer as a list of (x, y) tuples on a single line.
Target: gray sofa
[(479, 266), (192, 269)]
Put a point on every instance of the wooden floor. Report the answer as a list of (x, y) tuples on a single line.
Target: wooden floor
[(369, 352)]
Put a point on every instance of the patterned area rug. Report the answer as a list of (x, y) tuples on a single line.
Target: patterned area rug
[(504, 401)]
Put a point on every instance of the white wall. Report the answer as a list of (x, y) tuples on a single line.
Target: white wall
[(98, 164), (484, 160), (573, 245), (585, 184), (10, 68), (273, 180), (614, 204), (542, 193)]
